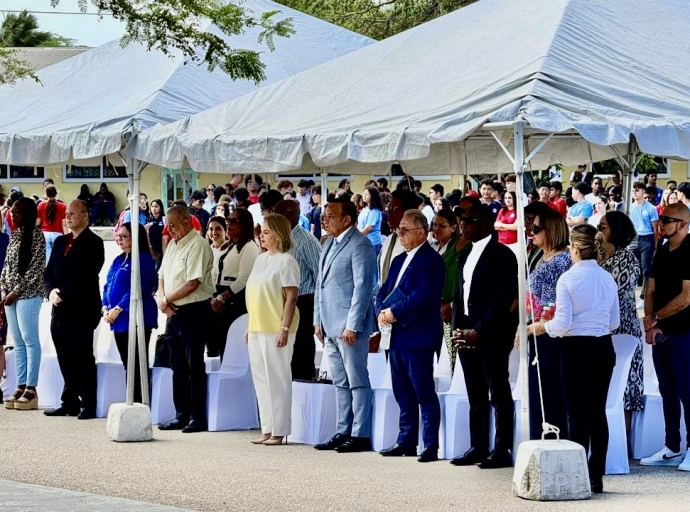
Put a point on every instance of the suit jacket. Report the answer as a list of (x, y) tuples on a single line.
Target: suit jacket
[(76, 276), (494, 288), (344, 290), (416, 301)]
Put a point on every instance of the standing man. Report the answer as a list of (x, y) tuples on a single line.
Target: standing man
[(645, 218), (410, 301), (582, 209), (253, 183), (597, 190), (484, 326), (184, 290), (557, 202), (485, 190), (344, 320), (667, 327), (304, 197), (307, 252), (72, 287), (436, 192), (401, 201), (651, 182)]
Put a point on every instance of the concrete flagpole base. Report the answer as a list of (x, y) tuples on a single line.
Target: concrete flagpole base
[(551, 470), (129, 423)]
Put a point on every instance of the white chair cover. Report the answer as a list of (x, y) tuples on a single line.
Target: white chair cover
[(318, 353), (8, 384), (617, 455), (231, 396), (50, 381), (44, 337), (649, 427), (454, 438), (212, 364), (162, 406), (314, 413), (442, 373), (386, 413), (112, 380)]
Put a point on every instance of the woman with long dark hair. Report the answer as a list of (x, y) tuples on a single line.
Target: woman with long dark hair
[(51, 215), (154, 229), (116, 293), (506, 221), (369, 219), (21, 284), (234, 253)]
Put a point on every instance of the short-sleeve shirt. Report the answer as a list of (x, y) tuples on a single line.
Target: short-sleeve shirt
[(56, 225), (669, 270), (507, 217), (495, 207), (185, 260), (559, 205), (642, 216), (583, 209), (371, 217), (265, 299)]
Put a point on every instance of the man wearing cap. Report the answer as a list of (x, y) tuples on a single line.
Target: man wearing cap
[(582, 210)]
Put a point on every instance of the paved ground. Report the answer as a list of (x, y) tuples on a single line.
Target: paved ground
[(224, 472)]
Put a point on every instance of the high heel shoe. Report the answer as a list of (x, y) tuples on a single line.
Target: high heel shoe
[(262, 439), (18, 393), (276, 440), (28, 401)]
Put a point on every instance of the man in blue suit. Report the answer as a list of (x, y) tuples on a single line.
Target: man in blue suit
[(344, 320), (410, 301)]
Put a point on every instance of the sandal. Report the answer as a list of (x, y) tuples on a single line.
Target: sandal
[(9, 403), (262, 439), (28, 401)]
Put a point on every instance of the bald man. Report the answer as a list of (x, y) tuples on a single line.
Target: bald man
[(667, 328), (72, 287)]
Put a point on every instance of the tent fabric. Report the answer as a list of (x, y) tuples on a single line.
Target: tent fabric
[(86, 103), (603, 69)]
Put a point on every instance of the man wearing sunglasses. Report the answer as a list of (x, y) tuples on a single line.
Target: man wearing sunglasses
[(484, 325), (667, 328)]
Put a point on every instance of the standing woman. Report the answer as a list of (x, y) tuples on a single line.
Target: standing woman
[(273, 319), (584, 326), (445, 229), (616, 232), (506, 224), (51, 216), (116, 293), (144, 206), (154, 230), (4, 242), (314, 216), (21, 283), (550, 234), (369, 219), (600, 209)]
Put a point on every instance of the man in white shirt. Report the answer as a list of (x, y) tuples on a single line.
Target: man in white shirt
[(401, 201), (597, 190), (304, 196), (484, 326)]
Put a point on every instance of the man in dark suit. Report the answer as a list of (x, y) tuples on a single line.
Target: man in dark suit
[(410, 301), (484, 324), (71, 285)]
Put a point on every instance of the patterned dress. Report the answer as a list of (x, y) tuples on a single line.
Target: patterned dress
[(625, 269)]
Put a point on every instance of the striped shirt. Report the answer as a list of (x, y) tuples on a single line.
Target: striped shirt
[(307, 252)]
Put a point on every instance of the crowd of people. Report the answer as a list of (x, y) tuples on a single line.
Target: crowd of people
[(394, 270)]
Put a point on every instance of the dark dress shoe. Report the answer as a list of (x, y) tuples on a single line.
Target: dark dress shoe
[(86, 414), (195, 426), (428, 455), (333, 442), (469, 458), (597, 485), (398, 450), (497, 460), (176, 424), (61, 411), (354, 445)]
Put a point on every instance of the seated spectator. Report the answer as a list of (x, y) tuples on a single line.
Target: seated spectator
[(86, 196), (103, 207)]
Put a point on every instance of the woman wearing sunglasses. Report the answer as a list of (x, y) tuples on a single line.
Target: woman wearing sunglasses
[(234, 254), (550, 233), (616, 232)]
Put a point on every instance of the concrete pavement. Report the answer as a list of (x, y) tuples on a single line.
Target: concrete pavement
[(224, 472)]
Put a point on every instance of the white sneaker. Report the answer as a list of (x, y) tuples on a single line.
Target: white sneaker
[(664, 457), (640, 304), (685, 465)]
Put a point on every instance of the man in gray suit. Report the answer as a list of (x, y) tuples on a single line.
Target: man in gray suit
[(343, 321)]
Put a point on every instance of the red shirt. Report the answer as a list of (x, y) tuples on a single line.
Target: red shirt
[(559, 205), (195, 224), (253, 199), (507, 217), (56, 225), (8, 218)]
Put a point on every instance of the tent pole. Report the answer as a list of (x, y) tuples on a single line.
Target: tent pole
[(629, 174), (324, 189), (518, 169)]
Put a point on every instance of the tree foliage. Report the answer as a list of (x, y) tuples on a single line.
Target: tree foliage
[(13, 69), (377, 19), (21, 30)]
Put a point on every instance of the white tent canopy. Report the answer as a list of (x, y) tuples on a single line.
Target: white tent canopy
[(87, 103), (595, 71)]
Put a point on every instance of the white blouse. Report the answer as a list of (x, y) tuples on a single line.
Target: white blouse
[(236, 265), (586, 302)]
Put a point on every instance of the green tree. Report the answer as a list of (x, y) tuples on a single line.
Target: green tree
[(169, 25), (377, 19), (13, 69), (58, 40), (22, 30)]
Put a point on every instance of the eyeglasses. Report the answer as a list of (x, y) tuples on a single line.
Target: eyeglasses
[(536, 229), (232, 222), (664, 219), (468, 220), (404, 231), (123, 237), (210, 189)]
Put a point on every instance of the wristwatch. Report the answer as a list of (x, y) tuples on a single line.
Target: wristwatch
[(285, 329)]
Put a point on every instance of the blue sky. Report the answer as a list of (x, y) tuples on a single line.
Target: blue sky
[(87, 30)]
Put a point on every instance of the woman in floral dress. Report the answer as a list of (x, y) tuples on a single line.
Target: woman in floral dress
[(616, 231)]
